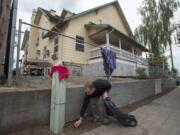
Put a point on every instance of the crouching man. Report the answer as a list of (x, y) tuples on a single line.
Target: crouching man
[(95, 93)]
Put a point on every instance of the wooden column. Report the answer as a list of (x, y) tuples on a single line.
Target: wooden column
[(120, 44), (133, 51), (107, 38)]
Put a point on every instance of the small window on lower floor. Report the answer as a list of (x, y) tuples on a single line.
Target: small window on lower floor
[(55, 49), (56, 44)]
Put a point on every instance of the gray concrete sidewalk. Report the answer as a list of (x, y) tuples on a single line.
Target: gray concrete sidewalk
[(161, 117)]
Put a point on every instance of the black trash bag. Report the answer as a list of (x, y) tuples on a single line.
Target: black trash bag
[(125, 119)]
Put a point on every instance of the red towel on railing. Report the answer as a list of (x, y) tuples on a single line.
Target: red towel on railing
[(62, 70)]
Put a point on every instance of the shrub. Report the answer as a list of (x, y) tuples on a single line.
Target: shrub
[(174, 72), (141, 73)]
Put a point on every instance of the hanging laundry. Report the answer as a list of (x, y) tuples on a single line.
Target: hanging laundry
[(62, 70), (109, 61)]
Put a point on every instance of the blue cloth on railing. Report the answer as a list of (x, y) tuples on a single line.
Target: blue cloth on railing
[(109, 60)]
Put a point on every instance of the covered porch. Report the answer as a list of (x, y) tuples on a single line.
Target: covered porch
[(128, 51), (106, 34)]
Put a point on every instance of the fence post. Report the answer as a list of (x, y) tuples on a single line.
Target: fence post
[(158, 88), (58, 100)]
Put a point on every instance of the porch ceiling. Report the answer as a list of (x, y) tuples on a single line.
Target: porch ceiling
[(114, 36), (101, 37)]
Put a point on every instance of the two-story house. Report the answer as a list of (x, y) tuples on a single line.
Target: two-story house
[(75, 40)]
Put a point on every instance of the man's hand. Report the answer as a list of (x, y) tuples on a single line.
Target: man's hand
[(78, 123)]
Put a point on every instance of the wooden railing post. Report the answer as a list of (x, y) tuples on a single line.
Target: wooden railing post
[(107, 38)]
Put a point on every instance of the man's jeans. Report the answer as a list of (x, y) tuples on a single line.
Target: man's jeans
[(98, 110)]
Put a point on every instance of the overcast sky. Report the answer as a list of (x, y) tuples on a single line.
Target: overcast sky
[(129, 7)]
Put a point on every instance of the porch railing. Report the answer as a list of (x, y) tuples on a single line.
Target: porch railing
[(120, 54)]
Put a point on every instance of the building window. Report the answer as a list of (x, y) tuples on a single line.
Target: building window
[(56, 41), (38, 52), (79, 44), (48, 53), (44, 52), (37, 43)]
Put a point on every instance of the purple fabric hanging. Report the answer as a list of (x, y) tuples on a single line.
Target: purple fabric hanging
[(109, 61)]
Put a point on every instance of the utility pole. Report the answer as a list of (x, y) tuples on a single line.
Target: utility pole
[(172, 61), (11, 54), (170, 46), (178, 33), (18, 48)]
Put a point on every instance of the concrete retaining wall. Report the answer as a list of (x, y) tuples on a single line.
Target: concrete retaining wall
[(122, 94), (124, 68), (168, 84), (19, 110)]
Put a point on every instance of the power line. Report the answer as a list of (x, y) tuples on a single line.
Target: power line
[(35, 26)]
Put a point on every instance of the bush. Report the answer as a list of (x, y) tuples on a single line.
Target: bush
[(141, 73)]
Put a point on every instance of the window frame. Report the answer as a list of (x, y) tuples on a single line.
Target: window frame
[(80, 44), (44, 52), (56, 45)]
